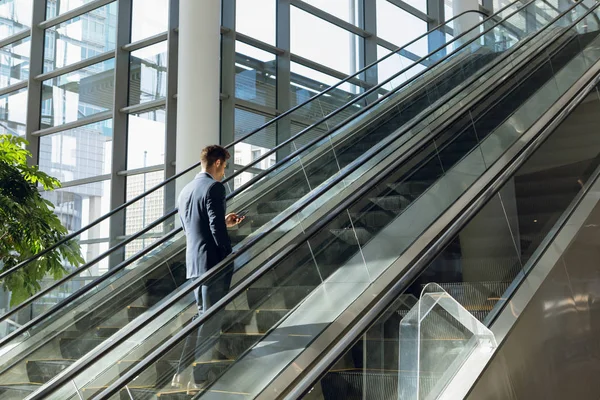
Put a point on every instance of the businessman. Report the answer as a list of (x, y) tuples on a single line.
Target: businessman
[(202, 213)]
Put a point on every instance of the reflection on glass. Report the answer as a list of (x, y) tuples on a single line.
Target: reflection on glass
[(306, 83), (390, 17), (255, 146), (337, 48), (78, 206), (13, 109), (144, 212), (148, 74), (146, 139), (149, 18), (78, 94), (14, 62), (248, 13), (343, 9), (80, 38), (255, 75), (58, 7), (394, 64), (78, 153), (15, 16)]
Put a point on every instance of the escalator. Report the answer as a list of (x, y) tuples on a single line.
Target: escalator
[(535, 223), (54, 341), (288, 302)]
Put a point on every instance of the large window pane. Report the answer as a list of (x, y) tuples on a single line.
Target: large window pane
[(394, 65), (256, 18), (148, 74), (307, 82), (150, 17), (78, 94), (57, 7), (80, 38), (391, 17), (14, 62), (255, 146), (144, 212), (420, 5), (78, 206), (255, 78), (323, 42), (343, 9), (13, 109), (78, 153), (15, 16), (146, 139)]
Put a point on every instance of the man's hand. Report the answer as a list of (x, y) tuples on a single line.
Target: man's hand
[(233, 219)]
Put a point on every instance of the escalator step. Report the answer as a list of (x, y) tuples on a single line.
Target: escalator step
[(17, 391), (162, 369), (74, 349), (284, 298), (394, 204), (41, 371), (351, 235)]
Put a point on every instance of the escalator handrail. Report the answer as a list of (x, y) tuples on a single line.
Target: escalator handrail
[(248, 244), (340, 345), (73, 235), (120, 337)]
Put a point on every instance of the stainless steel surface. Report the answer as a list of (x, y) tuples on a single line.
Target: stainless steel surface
[(553, 351)]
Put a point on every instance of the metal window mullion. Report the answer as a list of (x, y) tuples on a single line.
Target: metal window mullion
[(325, 16), (119, 144), (368, 19), (13, 88), (150, 41), (14, 38), (171, 103), (59, 19), (228, 77), (435, 9), (284, 62), (429, 17), (34, 95)]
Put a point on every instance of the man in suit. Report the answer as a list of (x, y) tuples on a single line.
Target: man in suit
[(202, 213)]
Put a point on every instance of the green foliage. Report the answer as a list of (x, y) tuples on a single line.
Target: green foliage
[(27, 223)]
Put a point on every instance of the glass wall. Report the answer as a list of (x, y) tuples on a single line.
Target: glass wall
[(274, 64)]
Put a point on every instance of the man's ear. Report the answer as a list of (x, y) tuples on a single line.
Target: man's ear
[(218, 163)]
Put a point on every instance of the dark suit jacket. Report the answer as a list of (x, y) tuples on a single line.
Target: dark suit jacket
[(202, 213)]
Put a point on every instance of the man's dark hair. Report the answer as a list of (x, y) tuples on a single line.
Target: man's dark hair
[(210, 155)]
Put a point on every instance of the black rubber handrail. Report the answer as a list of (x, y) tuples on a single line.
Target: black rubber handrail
[(134, 326), (62, 304), (237, 141)]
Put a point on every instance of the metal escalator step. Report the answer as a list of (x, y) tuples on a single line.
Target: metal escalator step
[(392, 203), (351, 235), (41, 371), (71, 348), (135, 311), (251, 321), (374, 220), (210, 370), (282, 298), (274, 206), (150, 377), (17, 391), (260, 219)]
